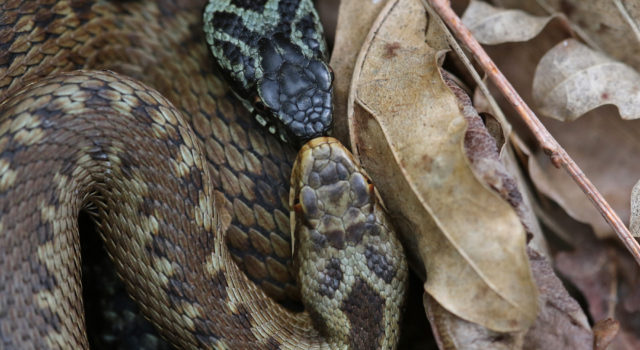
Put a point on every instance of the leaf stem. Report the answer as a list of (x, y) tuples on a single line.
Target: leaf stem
[(550, 146)]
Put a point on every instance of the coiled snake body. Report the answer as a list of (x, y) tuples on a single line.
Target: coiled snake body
[(168, 174)]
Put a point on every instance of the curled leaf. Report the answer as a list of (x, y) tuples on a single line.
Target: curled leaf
[(610, 26), (572, 79), (492, 25), (408, 132)]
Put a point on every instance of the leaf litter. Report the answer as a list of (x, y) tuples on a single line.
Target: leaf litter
[(431, 226), (470, 241)]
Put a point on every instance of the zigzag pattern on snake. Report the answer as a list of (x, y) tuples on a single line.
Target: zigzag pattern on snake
[(167, 184)]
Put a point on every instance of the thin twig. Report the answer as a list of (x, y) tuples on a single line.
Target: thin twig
[(551, 147)]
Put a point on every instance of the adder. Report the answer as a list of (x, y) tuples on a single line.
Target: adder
[(115, 108)]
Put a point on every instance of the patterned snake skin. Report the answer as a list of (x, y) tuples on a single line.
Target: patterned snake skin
[(273, 54), (181, 182)]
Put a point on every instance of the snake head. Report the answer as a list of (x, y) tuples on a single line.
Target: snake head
[(294, 95)]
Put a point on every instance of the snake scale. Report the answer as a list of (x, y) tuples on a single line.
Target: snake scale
[(114, 108)]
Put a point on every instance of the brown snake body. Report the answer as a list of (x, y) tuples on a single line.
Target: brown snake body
[(167, 184)]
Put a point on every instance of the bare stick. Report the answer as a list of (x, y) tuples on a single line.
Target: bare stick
[(551, 147)]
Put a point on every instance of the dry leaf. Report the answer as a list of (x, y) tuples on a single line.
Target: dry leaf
[(616, 138), (409, 135), (518, 62), (485, 162), (561, 323), (572, 79), (492, 25), (507, 157), (354, 20), (609, 25)]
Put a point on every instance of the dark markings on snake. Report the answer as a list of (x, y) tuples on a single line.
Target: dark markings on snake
[(43, 17), (366, 317), (44, 231), (233, 25), (329, 279), (81, 7), (310, 202), (52, 319), (47, 279), (272, 344), (67, 169), (240, 248), (355, 232), (337, 191), (237, 239), (254, 5), (319, 240), (294, 86), (287, 9), (306, 27), (360, 190), (243, 316), (329, 175), (372, 227), (48, 282), (294, 91), (196, 178), (179, 292), (126, 163), (237, 58), (342, 172), (192, 183), (219, 284), (319, 322), (379, 264), (335, 237), (203, 333)]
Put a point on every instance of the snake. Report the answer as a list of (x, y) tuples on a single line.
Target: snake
[(118, 109)]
